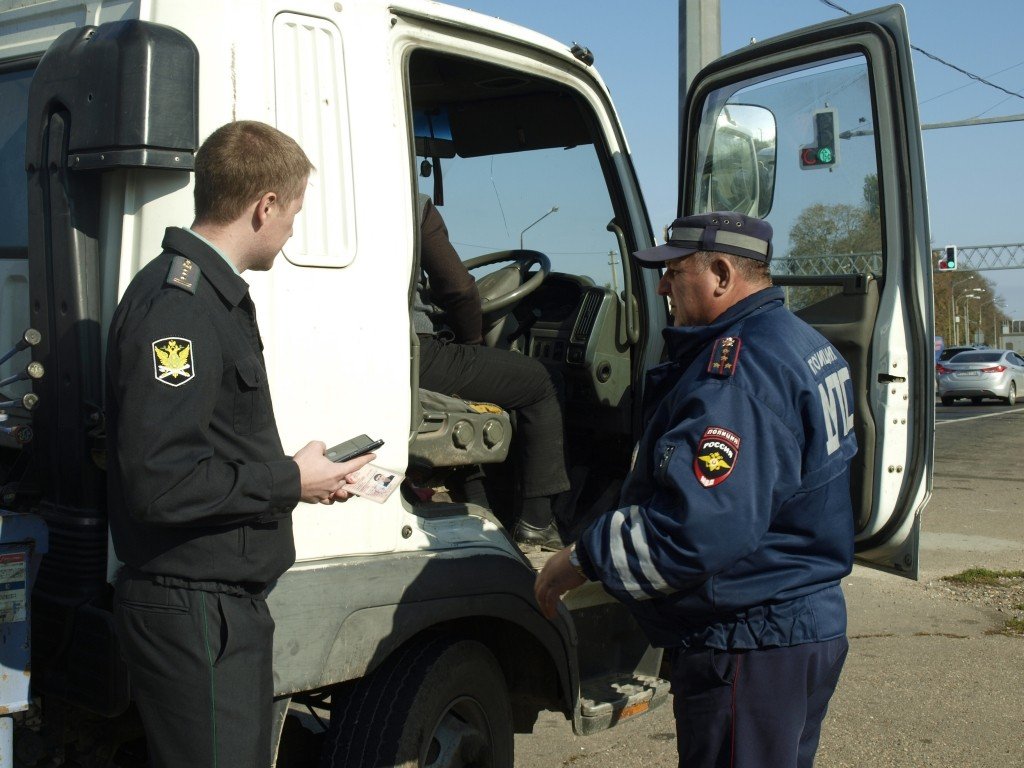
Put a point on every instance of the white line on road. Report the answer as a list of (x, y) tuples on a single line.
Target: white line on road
[(972, 418)]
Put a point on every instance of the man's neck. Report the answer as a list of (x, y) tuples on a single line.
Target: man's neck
[(225, 239)]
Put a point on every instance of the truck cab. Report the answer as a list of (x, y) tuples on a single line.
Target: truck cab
[(422, 606)]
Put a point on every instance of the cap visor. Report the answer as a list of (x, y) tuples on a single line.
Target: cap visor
[(655, 257)]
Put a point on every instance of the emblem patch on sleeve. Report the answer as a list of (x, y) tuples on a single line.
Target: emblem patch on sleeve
[(172, 361), (717, 452)]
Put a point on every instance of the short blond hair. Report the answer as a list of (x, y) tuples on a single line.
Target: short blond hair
[(242, 161)]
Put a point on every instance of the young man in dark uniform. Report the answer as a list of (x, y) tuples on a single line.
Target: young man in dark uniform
[(735, 526), (201, 492)]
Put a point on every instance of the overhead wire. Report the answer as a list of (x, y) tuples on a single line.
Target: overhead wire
[(968, 85), (939, 59)]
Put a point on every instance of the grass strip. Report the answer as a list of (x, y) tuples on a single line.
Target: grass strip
[(983, 577)]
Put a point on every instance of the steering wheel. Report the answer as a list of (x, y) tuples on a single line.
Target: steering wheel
[(504, 288)]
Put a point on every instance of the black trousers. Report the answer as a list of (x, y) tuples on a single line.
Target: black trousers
[(201, 674), (753, 709), (514, 382)]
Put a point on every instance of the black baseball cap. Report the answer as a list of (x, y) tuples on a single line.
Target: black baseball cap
[(722, 231)]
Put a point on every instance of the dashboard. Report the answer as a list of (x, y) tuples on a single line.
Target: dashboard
[(578, 327)]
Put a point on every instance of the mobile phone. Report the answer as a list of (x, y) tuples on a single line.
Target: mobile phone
[(357, 446)]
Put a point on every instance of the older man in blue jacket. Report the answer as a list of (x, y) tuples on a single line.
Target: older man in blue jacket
[(735, 526)]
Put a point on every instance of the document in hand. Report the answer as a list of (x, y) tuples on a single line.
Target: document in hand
[(374, 483)]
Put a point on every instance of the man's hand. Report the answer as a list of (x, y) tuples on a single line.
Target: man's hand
[(321, 478), (555, 579)]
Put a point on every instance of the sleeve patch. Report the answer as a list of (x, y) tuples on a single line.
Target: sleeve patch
[(173, 362), (717, 453)]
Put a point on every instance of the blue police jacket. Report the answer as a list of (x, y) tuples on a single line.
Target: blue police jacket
[(735, 525)]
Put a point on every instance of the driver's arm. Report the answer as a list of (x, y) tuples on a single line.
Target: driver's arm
[(451, 285)]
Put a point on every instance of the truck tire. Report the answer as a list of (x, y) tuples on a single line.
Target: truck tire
[(439, 702)]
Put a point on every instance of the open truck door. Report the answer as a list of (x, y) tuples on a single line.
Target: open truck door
[(817, 132)]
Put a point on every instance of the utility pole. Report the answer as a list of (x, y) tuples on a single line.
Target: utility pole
[(612, 261), (700, 43), (700, 40)]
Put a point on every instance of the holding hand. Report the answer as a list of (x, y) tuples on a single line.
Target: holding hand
[(321, 478), (556, 578)]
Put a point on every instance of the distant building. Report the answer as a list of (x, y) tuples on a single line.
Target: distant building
[(1013, 338)]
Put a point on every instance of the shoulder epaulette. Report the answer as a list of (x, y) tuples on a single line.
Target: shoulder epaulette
[(184, 273), (725, 355)]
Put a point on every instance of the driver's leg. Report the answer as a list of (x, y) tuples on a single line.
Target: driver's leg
[(519, 383)]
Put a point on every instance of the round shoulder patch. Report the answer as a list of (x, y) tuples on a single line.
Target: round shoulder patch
[(717, 452)]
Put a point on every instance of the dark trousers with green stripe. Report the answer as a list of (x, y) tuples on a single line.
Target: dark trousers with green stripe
[(201, 674)]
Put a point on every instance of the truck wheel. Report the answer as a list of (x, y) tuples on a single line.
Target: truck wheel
[(947, 400), (437, 703)]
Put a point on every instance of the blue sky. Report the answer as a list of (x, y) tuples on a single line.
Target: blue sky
[(975, 175)]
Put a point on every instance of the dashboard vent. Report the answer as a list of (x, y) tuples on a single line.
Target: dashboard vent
[(586, 317)]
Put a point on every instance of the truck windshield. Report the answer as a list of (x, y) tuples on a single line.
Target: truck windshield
[(14, 96), (521, 161)]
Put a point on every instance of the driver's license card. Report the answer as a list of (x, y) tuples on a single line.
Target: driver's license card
[(374, 483)]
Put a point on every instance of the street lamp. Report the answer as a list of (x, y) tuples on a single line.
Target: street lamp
[(952, 303), (554, 209), (998, 307), (967, 315), (956, 319)]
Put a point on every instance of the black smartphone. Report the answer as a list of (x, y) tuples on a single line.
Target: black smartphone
[(357, 446)]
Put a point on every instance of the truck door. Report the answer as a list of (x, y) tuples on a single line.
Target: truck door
[(817, 132)]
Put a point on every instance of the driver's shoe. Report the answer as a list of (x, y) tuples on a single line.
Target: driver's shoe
[(526, 535)]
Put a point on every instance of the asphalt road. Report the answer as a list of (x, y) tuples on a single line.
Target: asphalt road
[(929, 681)]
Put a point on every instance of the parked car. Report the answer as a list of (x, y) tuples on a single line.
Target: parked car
[(981, 373)]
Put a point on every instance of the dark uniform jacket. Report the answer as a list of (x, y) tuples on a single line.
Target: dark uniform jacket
[(735, 525), (200, 489)]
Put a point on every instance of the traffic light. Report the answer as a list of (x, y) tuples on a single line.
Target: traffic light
[(948, 263), (824, 153)]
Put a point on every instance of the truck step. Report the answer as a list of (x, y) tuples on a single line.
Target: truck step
[(605, 702)]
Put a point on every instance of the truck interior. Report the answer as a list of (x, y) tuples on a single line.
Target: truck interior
[(495, 149)]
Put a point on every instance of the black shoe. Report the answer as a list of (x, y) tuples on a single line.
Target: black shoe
[(545, 538)]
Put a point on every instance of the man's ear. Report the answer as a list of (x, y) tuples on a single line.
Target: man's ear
[(725, 275), (264, 209)]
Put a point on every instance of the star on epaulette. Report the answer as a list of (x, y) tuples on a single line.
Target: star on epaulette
[(725, 356), (184, 273)]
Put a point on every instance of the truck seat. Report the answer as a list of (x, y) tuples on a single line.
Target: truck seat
[(456, 433)]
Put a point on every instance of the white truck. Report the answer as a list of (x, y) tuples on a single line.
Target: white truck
[(412, 623)]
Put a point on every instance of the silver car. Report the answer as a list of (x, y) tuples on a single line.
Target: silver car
[(981, 373)]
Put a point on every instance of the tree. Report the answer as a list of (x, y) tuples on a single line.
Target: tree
[(834, 240)]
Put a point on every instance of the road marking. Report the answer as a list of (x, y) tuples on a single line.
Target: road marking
[(972, 418), (966, 542)]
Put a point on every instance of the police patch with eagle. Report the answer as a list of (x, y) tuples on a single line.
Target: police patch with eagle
[(716, 457), (173, 364)]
